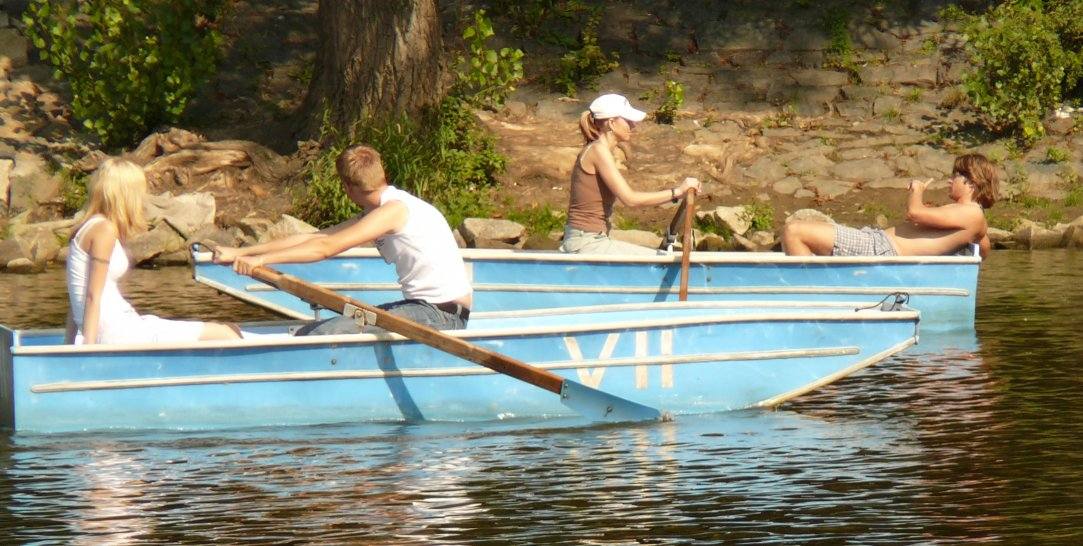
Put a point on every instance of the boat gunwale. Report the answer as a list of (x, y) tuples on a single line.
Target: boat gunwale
[(861, 315), (640, 289), (460, 371), (699, 257)]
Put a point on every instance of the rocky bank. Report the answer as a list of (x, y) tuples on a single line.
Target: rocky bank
[(769, 124)]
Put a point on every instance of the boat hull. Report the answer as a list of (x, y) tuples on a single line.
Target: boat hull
[(682, 358), (943, 288)]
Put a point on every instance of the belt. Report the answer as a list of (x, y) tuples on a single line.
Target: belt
[(453, 308)]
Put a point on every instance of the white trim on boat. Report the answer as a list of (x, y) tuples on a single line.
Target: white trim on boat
[(600, 289), (828, 379), (73, 386), (665, 322), (243, 296), (705, 258)]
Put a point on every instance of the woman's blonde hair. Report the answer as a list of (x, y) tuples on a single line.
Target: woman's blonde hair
[(590, 127), (116, 192)]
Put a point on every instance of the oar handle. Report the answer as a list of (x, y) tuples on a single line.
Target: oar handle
[(468, 351), (686, 245)]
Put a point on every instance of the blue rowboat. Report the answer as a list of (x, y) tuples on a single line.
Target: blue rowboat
[(943, 288), (687, 357)]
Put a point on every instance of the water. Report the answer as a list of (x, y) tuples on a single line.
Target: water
[(973, 436)]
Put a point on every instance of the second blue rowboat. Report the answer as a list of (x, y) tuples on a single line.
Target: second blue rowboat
[(943, 288), (690, 357)]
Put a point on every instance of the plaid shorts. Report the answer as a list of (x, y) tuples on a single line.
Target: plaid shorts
[(866, 241)]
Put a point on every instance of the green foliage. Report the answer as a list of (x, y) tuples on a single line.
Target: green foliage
[(486, 76), (1022, 68), (760, 215), (1057, 155), (914, 95), (444, 155), (840, 49), (581, 67), (929, 46), (1074, 188), (541, 19), (709, 224), (72, 191), (539, 220), (625, 223), (672, 100), (131, 64)]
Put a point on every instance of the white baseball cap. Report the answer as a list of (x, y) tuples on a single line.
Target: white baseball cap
[(615, 106)]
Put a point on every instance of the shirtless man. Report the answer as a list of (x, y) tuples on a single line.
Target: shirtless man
[(929, 231)]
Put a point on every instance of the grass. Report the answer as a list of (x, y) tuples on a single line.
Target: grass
[(1057, 155), (760, 215), (540, 220)]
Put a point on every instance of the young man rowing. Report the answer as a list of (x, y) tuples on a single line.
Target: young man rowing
[(408, 232)]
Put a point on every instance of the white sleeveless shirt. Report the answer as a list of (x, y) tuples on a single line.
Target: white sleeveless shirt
[(115, 311), (424, 252)]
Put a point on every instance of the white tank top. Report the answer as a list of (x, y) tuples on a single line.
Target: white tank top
[(424, 252), (115, 310)]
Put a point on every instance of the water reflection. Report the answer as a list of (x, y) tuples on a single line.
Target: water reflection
[(969, 436)]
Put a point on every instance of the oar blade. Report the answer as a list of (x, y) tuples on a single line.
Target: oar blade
[(601, 406)]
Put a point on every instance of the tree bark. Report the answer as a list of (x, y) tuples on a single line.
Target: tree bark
[(375, 57)]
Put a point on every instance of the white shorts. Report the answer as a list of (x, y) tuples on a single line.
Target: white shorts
[(150, 329)]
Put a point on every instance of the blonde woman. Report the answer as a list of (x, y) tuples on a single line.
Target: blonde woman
[(597, 183), (97, 260)]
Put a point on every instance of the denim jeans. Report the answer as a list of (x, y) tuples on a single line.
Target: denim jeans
[(421, 312), (577, 241)]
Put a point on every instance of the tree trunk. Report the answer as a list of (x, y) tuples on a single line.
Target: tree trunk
[(375, 57)]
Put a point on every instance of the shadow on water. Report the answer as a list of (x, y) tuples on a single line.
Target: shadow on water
[(970, 435)]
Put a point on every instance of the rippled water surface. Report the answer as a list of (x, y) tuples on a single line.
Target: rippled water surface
[(973, 436)]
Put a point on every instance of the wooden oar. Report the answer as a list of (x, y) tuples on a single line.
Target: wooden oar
[(589, 402), (689, 206)]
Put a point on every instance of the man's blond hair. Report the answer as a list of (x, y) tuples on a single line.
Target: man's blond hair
[(360, 166)]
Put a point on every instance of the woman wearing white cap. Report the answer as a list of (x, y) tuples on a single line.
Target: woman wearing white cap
[(597, 183)]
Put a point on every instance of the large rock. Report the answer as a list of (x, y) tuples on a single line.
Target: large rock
[(42, 244), (757, 241), (1000, 238), (32, 180), (934, 161), (161, 239), (1073, 235), (6, 166), (23, 266), (482, 230), (12, 249), (814, 164), (862, 169), (829, 188), (13, 46), (788, 185), (1033, 236), (766, 169), (185, 213), (1045, 180), (286, 225), (253, 227), (809, 215), (734, 219), (637, 237)]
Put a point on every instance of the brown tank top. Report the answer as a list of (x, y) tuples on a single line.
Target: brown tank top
[(591, 200)]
